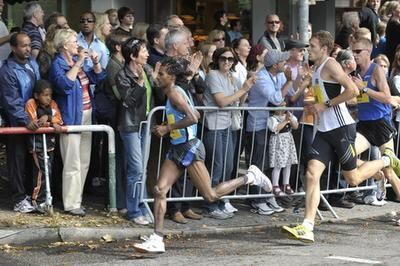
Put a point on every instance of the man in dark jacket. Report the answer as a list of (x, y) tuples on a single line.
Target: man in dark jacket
[(18, 76), (270, 38), (369, 17), (156, 38)]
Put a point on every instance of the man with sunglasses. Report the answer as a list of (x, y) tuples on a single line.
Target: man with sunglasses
[(336, 133), (374, 110), (270, 38), (88, 40)]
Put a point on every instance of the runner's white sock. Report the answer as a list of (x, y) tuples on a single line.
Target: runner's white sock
[(249, 178), (386, 160), (308, 224)]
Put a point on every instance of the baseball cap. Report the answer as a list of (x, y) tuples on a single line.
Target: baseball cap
[(289, 44), (275, 56)]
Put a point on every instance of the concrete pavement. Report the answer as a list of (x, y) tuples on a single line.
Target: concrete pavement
[(16, 228)]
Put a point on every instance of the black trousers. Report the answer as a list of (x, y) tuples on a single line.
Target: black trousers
[(18, 164)]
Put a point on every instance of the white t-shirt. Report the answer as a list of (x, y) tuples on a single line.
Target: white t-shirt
[(5, 49), (240, 73)]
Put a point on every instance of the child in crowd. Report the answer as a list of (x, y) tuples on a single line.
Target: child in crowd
[(44, 112), (282, 149)]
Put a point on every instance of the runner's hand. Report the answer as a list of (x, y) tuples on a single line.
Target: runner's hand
[(161, 130)]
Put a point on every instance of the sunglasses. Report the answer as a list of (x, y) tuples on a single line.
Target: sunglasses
[(218, 40), (357, 51), (274, 22), (224, 59), (86, 20)]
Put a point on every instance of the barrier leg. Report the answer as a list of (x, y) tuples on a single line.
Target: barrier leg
[(49, 199), (329, 207)]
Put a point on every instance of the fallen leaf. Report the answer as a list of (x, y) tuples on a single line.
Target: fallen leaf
[(107, 238)]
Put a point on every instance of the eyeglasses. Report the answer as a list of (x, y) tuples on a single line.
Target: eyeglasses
[(224, 59), (86, 20), (218, 39), (357, 51), (274, 22)]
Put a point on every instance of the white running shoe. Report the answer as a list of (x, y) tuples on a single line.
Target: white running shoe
[(153, 244), (230, 208), (381, 189), (24, 206), (141, 220), (257, 178), (378, 203), (262, 208), (271, 202)]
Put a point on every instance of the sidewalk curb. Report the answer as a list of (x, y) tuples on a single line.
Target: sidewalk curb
[(75, 234)]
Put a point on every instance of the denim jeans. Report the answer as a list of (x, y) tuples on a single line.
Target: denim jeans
[(134, 145), (220, 144), (257, 154)]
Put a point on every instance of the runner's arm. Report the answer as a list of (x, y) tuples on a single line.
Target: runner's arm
[(350, 89), (383, 95), (191, 115)]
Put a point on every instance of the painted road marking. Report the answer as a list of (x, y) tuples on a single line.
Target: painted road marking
[(350, 259)]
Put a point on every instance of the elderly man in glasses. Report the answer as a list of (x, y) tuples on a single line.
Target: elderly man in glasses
[(270, 38), (88, 40)]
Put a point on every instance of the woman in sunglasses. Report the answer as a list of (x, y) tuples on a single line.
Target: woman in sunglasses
[(216, 37), (223, 90)]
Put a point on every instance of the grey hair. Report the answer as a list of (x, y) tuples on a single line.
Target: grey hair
[(350, 18), (174, 37), (344, 56), (31, 8)]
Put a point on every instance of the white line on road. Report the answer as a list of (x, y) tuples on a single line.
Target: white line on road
[(354, 259)]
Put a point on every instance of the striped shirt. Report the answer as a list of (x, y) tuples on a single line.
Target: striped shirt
[(34, 33), (85, 90)]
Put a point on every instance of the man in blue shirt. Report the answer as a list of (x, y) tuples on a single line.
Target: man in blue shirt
[(17, 79), (272, 85), (88, 40)]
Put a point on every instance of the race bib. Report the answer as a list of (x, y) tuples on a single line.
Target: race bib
[(318, 94), (174, 134), (363, 97)]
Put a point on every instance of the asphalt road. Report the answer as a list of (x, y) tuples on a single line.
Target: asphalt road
[(354, 242)]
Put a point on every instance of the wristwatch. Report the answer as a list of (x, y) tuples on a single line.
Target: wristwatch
[(365, 89), (328, 104)]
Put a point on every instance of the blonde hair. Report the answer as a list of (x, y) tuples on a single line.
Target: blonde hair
[(61, 37), (382, 57), (205, 48), (101, 20), (214, 34), (48, 44), (139, 30)]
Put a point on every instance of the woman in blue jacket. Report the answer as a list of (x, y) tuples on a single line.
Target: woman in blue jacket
[(72, 78)]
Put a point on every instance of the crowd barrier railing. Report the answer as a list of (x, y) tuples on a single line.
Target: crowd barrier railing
[(337, 186), (75, 129)]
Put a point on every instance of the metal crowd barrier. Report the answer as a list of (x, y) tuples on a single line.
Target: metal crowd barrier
[(75, 129), (244, 192)]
